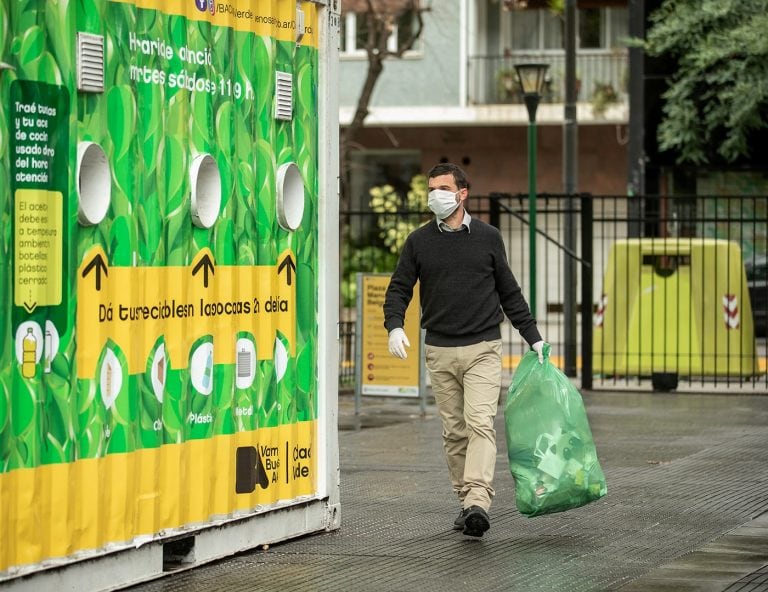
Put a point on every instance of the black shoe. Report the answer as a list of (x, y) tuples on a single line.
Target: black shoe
[(476, 521), (458, 524)]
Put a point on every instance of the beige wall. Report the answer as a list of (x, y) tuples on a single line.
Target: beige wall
[(498, 156)]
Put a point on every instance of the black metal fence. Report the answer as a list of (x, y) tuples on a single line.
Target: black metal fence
[(676, 285), (347, 332)]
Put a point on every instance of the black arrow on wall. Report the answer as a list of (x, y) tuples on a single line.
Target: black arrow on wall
[(97, 264), (206, 265), (290, 268)]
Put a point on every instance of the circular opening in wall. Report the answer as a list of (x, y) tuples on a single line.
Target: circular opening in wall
[(290, 196), (94, 184), (205, 179)]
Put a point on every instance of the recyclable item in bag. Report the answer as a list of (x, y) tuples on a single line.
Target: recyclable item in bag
[(552, 456)]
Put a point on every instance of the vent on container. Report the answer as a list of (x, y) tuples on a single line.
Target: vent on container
[(283, 95), (90, 62)]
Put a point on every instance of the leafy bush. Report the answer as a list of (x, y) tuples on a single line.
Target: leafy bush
[(395, 218), (399, 217)]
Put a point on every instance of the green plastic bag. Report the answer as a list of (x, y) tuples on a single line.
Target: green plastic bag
[(552, 456)]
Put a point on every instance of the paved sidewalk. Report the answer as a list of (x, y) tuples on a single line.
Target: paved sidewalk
[(687, 509)]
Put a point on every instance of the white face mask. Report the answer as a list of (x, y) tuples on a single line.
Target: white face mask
[(442, 203)]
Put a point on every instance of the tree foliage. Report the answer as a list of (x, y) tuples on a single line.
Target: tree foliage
[(718, 95)]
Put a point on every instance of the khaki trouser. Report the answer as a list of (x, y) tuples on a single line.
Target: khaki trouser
[(466, 382)]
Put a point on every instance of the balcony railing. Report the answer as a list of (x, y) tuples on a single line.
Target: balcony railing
[(601, 77)]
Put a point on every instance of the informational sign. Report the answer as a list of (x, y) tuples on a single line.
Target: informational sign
[(38, 143), (38, 248), (380, 372)]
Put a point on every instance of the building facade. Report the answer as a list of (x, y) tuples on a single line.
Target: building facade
[(454, 97)]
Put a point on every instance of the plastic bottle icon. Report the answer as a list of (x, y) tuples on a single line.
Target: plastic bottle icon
[(48, 355), (29, 354), (208, 370)]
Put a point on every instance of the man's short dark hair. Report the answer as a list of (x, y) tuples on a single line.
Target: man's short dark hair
[(448, 168)]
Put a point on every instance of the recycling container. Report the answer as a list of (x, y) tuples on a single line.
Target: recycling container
[(168, 284), (674, 306)]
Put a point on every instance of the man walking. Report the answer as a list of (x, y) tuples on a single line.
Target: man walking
[(466, 283)]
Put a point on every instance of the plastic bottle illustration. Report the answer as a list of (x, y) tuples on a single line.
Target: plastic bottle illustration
[(208, 370), (48, 355), (29, 354)]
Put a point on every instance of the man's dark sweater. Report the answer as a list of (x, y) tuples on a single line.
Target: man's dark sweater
[(466, 282)]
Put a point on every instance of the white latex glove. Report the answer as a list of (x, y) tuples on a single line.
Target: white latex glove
[(538, 347), (397, 343)]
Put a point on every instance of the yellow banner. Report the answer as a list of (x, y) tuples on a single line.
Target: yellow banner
[(60, 509), (274, 18), (133, 306)]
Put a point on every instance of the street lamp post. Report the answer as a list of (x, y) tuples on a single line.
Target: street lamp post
[(531, 78)]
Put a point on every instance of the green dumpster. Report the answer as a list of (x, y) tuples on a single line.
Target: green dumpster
[(674, 306)]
